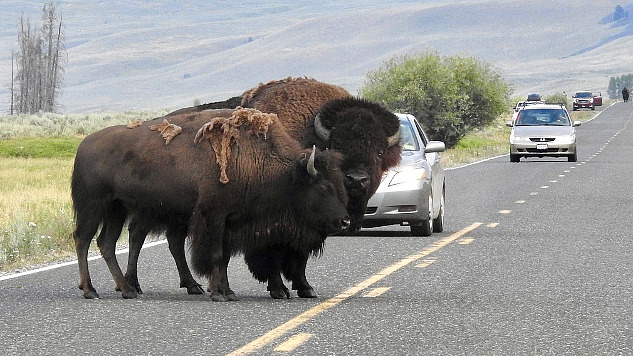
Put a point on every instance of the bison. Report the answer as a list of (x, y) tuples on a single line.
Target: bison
[(329, 117), (243, 185)]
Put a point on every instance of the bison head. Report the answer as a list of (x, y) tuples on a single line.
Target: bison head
[(367, 135), (321, 198)]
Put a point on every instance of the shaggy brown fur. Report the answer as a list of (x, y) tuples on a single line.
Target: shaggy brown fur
[(294, 100), (167, 131), (224, 132)]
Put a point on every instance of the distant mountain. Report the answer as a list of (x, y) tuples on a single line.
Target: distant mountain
[(135, 54)]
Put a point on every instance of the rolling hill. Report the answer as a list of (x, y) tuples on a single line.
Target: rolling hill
[(134, 54)]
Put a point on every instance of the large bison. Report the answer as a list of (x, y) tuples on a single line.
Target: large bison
[(243, 185), (329, 117)]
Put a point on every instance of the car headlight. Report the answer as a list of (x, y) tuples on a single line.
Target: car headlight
[(566, 139), (408, 175)]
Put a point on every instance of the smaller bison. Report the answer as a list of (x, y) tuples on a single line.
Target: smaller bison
[(243, 185)]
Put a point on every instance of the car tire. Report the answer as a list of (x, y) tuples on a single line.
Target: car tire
[(514, 158), (425, 227), (573, 157), (438, 223)]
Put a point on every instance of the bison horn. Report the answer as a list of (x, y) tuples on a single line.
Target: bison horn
[(321, 130), (392, 140), (311, 169)]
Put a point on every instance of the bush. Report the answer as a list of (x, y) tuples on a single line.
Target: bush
[(559, 98), (449, 96)]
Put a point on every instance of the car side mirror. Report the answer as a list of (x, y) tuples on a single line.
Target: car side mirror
[(435, 146), (509, 123), (576, 123)]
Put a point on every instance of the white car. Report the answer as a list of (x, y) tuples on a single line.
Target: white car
[(543, 130), (411, 194)]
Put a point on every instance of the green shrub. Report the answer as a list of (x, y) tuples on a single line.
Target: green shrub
[(450, 96)]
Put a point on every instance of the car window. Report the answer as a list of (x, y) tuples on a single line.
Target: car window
[(407, 137), (544, 117), (583, 95)]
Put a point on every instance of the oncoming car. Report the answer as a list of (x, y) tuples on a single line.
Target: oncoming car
[(543, 130), (411, 194)]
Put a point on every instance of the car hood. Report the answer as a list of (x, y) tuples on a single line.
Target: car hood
[(543, 131)]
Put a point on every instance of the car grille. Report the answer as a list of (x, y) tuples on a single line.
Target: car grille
[(542, 139), (549, 150), (371, 210)]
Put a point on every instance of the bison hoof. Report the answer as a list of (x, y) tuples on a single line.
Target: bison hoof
[(232, 297), (91, 295), (218, 297), (197, 289), (129, 295), (307, 293), (280, 294)]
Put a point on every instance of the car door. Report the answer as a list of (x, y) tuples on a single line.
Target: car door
[(437, 171)]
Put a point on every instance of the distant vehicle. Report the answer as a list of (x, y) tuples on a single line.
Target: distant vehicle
[(413, 193), (521, 104), (543, 130), (584, 99), (534, 97), (597, 99)]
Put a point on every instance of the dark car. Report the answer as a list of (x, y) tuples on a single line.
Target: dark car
[(584, 99)]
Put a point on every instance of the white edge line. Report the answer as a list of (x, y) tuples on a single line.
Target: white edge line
[(64, 264)]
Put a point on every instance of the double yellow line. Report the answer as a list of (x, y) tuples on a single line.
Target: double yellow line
[(286, 327)]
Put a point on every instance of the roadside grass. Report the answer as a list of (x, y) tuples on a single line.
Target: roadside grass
[(36, 158), (36, 216)]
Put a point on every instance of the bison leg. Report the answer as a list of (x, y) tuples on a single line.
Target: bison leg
[(107, 244), (83, 234), (265, 265), (176, 240), (219, 284), (138, 232), (294, 269)]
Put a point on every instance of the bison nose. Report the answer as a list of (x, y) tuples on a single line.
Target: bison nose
[(356, 180)]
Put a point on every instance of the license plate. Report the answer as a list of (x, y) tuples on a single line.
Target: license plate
[(541, 146)]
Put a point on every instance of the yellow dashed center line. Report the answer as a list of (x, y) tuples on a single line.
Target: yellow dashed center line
[(286, 327), (293, 342), (376, 292)]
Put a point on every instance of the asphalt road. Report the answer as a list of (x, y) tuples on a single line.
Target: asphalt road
[(535, 260)]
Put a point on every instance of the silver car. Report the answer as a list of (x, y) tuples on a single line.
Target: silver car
[(411, 194), (543, 130)]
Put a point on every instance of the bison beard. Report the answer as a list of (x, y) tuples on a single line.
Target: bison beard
[(163, 187)]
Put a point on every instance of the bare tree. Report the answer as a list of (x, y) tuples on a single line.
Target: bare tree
[(36, 84)]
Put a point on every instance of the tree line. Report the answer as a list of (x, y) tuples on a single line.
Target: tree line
[(37, 66), (617, 83)]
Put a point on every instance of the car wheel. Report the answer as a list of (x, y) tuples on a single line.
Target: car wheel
[(425, 227), (438, 223), (514, 158), (573, 157)]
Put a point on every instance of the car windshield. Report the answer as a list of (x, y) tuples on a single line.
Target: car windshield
[(543, 117), (407, 136), (583, 95)]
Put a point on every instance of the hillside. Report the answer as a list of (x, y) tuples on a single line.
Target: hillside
[(132, 54)]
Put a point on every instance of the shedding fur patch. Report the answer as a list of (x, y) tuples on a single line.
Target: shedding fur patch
[(167, 130), (135, 123), (223, 132)]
